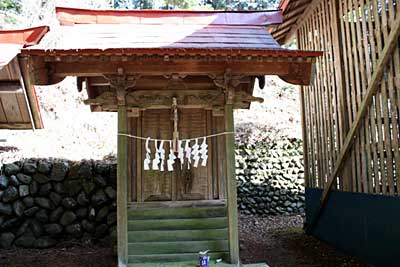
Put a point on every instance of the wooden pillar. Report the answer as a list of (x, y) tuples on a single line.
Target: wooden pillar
[(122, 188), (233, 237), (305, 138)]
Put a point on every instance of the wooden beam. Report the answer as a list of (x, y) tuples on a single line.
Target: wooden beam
[(233, 236), (308, 10), (11, 89), (12, 125), (30, 92), (365, 104), (305, 139), (251, 68), (341, 86), (162, 99), (295, 8), (48, 72), (122, 188), (289, 19), (178, 204)]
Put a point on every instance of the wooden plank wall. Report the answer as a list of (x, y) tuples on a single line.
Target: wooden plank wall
[(14, 113), (352, 33)]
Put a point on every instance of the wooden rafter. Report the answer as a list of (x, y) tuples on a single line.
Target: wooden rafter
[(352, 134), (309, 10), (290, 18), (30, 93)]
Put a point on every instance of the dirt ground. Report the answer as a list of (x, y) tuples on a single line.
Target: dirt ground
[(278, 241)]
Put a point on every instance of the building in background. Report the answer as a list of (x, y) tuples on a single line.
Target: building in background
[(351, 122)]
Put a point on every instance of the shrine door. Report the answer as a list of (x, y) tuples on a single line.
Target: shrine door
[(183, 183)]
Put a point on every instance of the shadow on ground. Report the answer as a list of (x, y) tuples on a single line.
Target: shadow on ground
[(276, 240), (280, 242)]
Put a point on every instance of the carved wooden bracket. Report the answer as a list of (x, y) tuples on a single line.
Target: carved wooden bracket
[(164, 98), (121, 83), (175, 81), (242, 96), (144, 99), (227, 82), (103, 99)]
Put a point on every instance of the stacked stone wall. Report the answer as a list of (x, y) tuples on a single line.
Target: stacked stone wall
[(44, 202)]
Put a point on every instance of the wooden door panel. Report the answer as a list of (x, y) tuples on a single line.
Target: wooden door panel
[(156, 185), (199, 183), (192, 184)]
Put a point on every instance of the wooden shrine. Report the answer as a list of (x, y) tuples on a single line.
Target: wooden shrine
[(351, 122), (173, 76)]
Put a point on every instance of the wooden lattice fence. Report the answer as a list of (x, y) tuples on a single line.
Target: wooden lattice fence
[(356, 90)]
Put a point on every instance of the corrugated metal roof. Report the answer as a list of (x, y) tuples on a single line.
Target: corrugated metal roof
[(83, 29), (162, 33), (106, 36)]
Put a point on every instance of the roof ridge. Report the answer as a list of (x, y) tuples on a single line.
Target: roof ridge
[(71, 16), (62, 8)]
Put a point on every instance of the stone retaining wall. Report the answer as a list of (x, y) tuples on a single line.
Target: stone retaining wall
[(270, 177), (43, 202)]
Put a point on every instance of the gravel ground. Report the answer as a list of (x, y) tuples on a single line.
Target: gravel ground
[(278, 241), (59, 257)]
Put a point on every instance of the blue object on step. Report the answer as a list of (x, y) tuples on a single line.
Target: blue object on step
[(204, 259)]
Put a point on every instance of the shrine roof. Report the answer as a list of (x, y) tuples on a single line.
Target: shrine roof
[(292, 11), (12, 41), (15, 112), (85, 31)]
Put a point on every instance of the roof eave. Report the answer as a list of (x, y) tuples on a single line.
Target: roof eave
[(26, 37), (172, 51), (291, 65)]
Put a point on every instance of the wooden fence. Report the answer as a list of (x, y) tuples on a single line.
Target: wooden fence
[(356, 90)]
